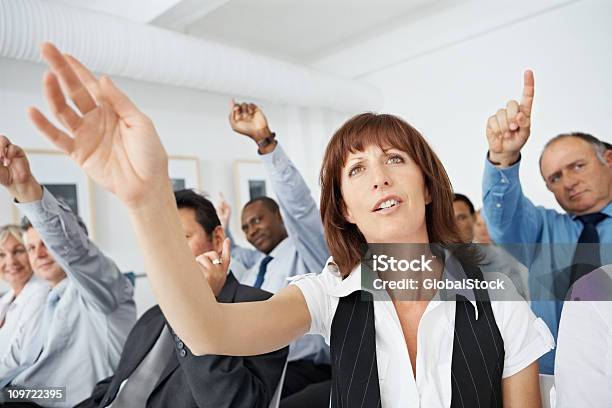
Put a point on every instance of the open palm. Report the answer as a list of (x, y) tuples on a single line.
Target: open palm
[(114, 143)]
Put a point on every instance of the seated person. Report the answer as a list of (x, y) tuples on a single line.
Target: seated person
[(157, 369), (577, 168), (495, 258), (76, 340), (28, 293), (381, 182), (288, 240)]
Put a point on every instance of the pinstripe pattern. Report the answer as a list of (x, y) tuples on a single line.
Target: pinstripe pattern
[(477, 362), (354, 366)]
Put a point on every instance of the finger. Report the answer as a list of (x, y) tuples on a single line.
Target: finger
[(204, 261), (226, 253), (252, 108), (522, 120), (5, 143), (60, 139), (57, 102), (512, 108), (121, 104), (502, 121), (88, 79), (12, 152), (58, 63), (493, 126), (528, 92)]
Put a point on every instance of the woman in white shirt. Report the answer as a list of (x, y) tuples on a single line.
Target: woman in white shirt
[(27, 296), (387, 185)]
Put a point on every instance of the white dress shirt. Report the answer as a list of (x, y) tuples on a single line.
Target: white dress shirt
[(18, 311), (583, 365), (525, 337), (301, 252), (91, 319)]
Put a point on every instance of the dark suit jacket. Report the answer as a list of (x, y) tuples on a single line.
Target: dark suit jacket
[(197, 381)]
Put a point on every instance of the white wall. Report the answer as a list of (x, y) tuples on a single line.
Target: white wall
[(189, 123), (448, 94)]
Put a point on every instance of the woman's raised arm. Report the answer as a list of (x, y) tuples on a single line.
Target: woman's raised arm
[(118, 147)]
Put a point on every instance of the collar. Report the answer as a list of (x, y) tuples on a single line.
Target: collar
[(280, 248), (228, 291), (453, 270), (606, 210), (59, 289)]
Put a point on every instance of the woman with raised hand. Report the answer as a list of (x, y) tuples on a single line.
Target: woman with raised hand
[(381, 183)]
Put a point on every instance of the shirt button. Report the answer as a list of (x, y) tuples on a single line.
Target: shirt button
[(180, 344), (503, 180), (183, 353), (498, 205)]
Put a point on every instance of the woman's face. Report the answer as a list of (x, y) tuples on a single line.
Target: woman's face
[(14, 265), (385, 195)]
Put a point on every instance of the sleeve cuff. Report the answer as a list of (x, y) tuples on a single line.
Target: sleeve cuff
[(40, 211), (540, 345), (275, 160)]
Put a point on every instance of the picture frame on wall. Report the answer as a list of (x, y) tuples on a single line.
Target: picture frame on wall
[(184, 172), (251, 181), (64, 179)]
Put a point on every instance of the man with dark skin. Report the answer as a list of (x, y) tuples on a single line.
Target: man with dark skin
[(286, 245)]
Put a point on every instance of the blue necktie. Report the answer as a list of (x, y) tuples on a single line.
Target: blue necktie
[(263, 266), (586, 257)]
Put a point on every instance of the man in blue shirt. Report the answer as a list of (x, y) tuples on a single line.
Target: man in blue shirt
[(577, 169), (286, 245)]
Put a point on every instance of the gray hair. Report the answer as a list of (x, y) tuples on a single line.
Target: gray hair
[(598, 146)]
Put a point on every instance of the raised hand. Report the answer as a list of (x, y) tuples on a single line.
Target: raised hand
[(215, 267), (15, 173), (224, 211), (509, 129), (249, 120), (114, 143)]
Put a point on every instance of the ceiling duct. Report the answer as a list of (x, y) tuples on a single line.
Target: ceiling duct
[(120, 47)]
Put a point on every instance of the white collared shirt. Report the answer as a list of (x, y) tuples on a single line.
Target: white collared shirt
[(525, 337), (18, 311), (583, 364)]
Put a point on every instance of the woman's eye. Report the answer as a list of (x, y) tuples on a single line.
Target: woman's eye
[(395, 159), (355, 170)]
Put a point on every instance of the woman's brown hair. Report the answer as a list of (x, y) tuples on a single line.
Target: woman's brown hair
[(344, 239)]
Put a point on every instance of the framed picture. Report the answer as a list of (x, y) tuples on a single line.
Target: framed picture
[(251, 181), (184, 172), (66, 181)]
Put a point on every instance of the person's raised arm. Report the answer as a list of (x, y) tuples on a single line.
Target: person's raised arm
[(299, 210), (97, 277), (509, 129), (503, 199), (118, 147)]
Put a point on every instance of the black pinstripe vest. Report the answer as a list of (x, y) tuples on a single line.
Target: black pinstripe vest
[(477, 362)]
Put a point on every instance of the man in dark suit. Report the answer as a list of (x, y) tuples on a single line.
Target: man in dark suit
[(157, 369)]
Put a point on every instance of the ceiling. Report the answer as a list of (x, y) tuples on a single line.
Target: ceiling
[(294, 30)]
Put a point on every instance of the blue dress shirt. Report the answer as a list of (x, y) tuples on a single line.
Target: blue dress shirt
[(547, 241)]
